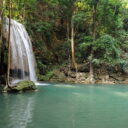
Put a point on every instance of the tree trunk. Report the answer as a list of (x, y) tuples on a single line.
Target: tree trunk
[(72, 46), (2, 42), (2, 56), (24, 10), (68, 30), (94, 39), (9, 31), (74, 64), (1, 7), (1, 12)]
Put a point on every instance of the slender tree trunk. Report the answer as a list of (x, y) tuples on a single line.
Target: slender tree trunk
[(2, 54), (94, 21), (1, 7), (2, 41), (1, 17), (72, 46), (1, 13), (74, 64), (9, 31), (24, 10), (94, 39), (68, 30)]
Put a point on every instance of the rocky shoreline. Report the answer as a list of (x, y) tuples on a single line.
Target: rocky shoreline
[(64, 75)]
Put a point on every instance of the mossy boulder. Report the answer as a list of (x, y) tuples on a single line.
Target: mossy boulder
[(24, 86)]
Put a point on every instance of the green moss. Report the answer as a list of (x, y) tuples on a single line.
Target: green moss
[(24, 85), (46, 77)]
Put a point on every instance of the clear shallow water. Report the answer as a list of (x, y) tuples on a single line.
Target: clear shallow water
[(66, 106)]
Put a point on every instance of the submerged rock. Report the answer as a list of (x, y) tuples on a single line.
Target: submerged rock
[(24, 86)]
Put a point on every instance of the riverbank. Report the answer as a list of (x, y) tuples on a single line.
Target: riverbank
[(62, 74), (101, 76)]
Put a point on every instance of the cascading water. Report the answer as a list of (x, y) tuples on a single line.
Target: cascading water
[(22, 57)]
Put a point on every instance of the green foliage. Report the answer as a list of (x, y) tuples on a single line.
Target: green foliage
[(43, 27), (45, 77), (125, 64), (107, 51), (49, 25), (19, 8), (83, 50), (79, 19)]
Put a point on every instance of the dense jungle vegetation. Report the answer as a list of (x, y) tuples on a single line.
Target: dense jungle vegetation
[(78, 39)]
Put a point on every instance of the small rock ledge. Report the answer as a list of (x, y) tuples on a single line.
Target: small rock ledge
[(22, 86)]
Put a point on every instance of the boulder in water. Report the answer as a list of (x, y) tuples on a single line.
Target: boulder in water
[(24, 86)]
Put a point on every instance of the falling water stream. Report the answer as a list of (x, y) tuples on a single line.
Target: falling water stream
[(22, 58)]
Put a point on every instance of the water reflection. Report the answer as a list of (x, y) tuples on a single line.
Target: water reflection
[(22, 116), (18, 109)]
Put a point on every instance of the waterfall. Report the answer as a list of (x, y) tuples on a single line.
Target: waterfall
[(22, 57)]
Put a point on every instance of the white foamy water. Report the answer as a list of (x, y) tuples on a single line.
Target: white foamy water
[(22, 57), (42, 84)]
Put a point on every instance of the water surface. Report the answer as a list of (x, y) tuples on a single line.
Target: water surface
[(66, 106)]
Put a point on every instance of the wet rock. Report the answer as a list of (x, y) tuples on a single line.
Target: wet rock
[(81, 77), (24, 86)]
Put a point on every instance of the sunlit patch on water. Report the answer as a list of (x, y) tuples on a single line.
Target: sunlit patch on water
[(79, 95), (64, 86), (42, 84), (122, 94)]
